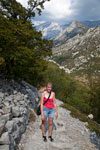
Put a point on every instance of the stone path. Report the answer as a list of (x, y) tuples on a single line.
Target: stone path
[(69, 134)]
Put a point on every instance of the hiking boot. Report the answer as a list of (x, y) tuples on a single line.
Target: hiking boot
[(44, 139), (50, 138)]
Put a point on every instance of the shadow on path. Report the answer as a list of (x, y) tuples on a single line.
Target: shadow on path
[(46, 127), (95, 140)]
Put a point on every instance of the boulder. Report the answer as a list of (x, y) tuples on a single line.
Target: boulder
[(16, 111), (5, 139), (2, 126), (6, 117), (9, 126), (90, 116)]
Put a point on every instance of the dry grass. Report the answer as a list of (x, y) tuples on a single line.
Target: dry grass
[(32, 116)]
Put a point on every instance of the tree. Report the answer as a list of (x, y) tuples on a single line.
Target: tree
[(22, 48), (13, 9)]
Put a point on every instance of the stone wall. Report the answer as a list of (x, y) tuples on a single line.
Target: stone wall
[(15, 102)]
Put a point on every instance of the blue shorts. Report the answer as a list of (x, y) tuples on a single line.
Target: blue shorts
[(50, 113)]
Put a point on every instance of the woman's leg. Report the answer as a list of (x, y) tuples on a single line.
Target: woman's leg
[(50, 120), (50, 123), (43, 126)]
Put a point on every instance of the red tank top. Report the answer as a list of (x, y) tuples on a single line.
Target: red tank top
[(50, 103)]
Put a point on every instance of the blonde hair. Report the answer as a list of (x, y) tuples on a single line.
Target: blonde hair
[(49, 83)]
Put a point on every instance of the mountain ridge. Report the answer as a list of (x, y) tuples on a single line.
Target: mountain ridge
[(51, 34), (70, 31), (81, 52)]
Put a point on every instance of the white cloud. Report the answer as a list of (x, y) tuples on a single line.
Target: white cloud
[(58, 9), (23, 2), (68, 10), (86, 9)]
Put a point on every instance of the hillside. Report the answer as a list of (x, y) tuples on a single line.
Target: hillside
[(69, 32), (24, 68), (81, 53), (51, 30)]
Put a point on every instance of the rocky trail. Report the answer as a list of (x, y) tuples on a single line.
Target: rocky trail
[(69, 134), (18, 132)]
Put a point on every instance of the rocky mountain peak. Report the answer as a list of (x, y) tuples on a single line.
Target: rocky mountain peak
[(76, 24), (55, 26), (53, 30), (80, 53), (71, 31)]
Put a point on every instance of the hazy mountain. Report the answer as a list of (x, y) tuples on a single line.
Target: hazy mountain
[(51, 30), (91, 23)]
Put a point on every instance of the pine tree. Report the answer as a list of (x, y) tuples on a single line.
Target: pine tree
[(22, 48)]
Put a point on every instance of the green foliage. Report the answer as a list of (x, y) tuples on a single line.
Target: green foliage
[(95, 98), (14, 10), (60, 59), (22, 49), (37, 5), (81, 97), (22, 53), (67, 89)]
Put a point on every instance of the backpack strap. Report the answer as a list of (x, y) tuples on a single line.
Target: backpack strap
[(47, 98)]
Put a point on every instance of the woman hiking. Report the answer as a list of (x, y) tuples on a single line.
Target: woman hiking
[(48, 110)]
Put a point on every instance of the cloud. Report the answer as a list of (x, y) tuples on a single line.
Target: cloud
[(68, 10), (23, 2), (86, 10), (58, 9)]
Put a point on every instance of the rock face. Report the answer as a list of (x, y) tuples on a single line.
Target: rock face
[(80, 53), (15, 102), (69, 32), (51, 30), (68, 133)]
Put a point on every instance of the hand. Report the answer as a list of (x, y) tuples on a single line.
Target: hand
[(56, 114), (42, 117)]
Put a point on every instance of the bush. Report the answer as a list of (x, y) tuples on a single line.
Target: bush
[(67, 89), (95, 99)]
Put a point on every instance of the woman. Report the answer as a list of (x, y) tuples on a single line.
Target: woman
[(48, 111)]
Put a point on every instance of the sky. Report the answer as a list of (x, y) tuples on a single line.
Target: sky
[(64, 11)]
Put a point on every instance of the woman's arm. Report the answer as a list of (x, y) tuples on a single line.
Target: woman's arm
[(42, 114), (55, 107)]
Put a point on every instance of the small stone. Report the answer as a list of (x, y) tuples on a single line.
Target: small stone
[(5, 139), (90, 116), (15, 92)]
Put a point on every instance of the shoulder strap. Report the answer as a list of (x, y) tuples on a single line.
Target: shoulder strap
[(47, 98)]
